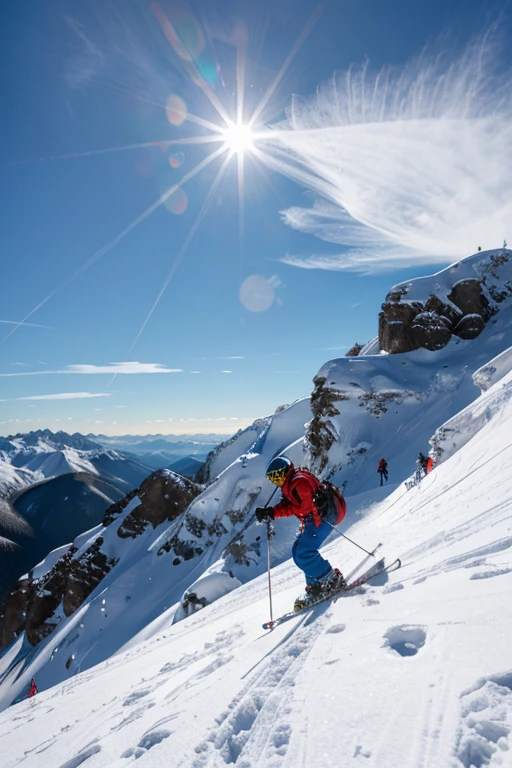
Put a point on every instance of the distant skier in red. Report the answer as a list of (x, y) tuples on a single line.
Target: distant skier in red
[(33, 688), (383, 470), (426, 463)]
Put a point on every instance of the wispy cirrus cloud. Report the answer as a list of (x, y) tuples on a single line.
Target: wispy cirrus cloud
[(86, 63), (409, 164), (111, 368), (65, 396)]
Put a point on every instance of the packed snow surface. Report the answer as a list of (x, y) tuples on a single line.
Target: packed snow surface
[(413, 670)]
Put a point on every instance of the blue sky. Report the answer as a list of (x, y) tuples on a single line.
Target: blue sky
[(87, 76)]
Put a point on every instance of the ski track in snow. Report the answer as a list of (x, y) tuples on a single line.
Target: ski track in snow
[(412, 671), (259, 718)]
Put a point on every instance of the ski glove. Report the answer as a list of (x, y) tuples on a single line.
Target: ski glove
[(264, 513)]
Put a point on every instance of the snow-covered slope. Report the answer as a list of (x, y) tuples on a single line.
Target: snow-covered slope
[(13, 479), (54, 463), (412, 671), (363, 408), (31, 457)]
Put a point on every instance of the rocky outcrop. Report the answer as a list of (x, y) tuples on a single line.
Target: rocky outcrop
[(163, 496), (395, 323), (321, 433), (430, 330), (462, 309), (38, 603), (468, 296), (355, 350)]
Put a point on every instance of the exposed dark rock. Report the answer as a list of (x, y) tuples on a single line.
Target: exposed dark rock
[(395, 322), (430, 330), (355, 350), (195, 525), (113, 512), (237, 549), (84, 575), (470, 327), (235, 516), (184, 549), (12, 619), (468, 296), (447, 310), (163, 496), (321, 433)]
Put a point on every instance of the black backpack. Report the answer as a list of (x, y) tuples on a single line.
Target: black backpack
[(324, 498)]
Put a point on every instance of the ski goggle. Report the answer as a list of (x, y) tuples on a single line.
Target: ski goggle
[(278, 476)]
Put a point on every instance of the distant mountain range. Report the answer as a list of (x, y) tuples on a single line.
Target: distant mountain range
[(40, 455), (56, 485), (164, 451), (28, 458)]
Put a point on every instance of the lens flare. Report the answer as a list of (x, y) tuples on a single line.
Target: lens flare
[(182, 31), (177, 203), (256, 294), (177, 160), (176, 110)]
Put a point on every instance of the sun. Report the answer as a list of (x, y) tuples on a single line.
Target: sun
[(238, 138)]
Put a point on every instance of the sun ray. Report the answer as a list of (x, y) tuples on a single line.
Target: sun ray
[(190, 140), (203, 123), (106, 248), (193, 230), (240, 82), (212, 98), (298, 43), (240, 170)]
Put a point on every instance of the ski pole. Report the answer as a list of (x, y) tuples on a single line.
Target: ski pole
[(347, 538), (269, 534)]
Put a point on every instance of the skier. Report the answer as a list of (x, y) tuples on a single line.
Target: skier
[(383, 470), (304, 496), (423, 463), (33, 688)]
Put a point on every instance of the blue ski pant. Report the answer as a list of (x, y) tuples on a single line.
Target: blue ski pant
[(305, 551)]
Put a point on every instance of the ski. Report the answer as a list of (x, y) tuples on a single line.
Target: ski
[(379, 567)]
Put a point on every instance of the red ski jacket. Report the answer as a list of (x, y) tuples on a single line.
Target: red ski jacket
[(298, 491), (382, 465)]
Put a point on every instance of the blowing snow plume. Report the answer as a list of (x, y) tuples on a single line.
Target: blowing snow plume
[(410, 166)]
